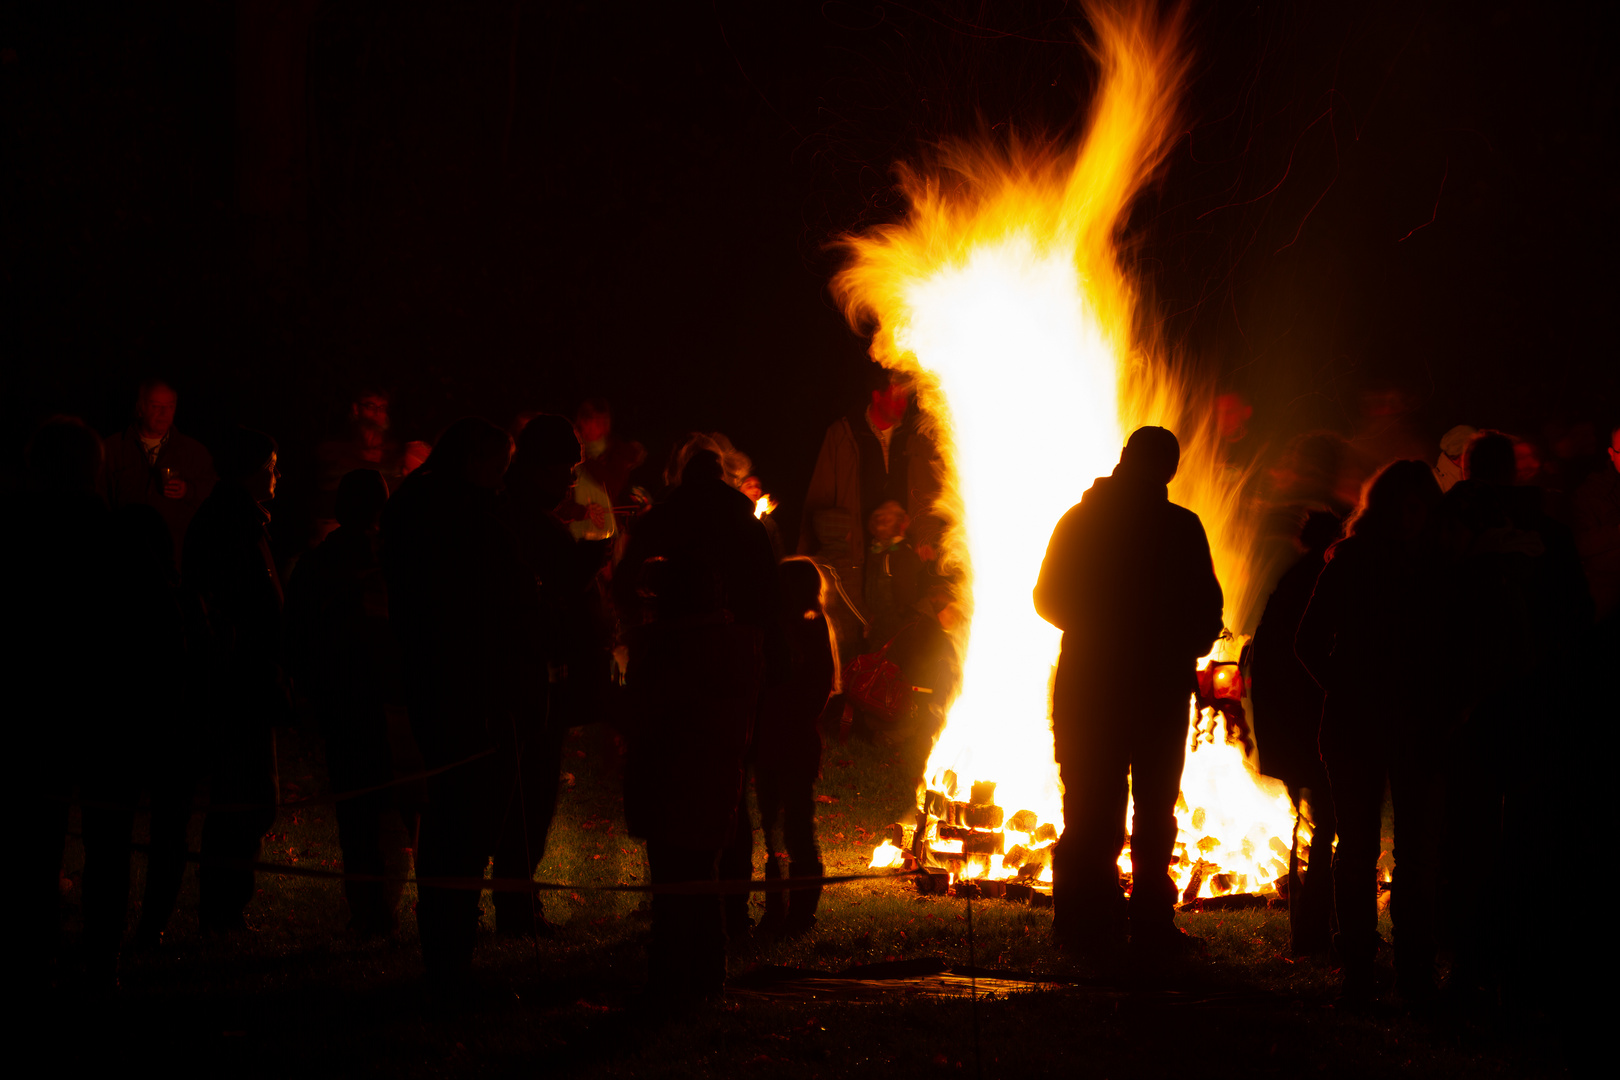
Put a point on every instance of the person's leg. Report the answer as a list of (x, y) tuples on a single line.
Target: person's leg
[(520, 843), (1476, 805), (108, 819), (1093, 757), (356, 746), (452, 846), (799, 831), (1158, 752), (769, 792), (1357, 773), (1310, 901), (174, 790), (687, 956), (44, 792), (1086, 894), (737, 864), (244, 787), (1418, 795)]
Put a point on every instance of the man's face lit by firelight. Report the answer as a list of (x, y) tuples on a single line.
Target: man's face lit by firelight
[(262, 484), (155, 410), (1614, 449), (889, 405), (371, 412)]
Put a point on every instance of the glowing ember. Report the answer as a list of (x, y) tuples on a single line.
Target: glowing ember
[(1002, 293), (764, 505)]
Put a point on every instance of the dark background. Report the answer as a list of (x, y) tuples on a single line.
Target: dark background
[(1383, 219)]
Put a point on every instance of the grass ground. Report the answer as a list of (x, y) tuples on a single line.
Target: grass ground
[(299, 996)]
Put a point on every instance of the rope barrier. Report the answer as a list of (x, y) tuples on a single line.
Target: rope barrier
[(687, 888)]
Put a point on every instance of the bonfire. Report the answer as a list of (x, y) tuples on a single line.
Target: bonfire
[(1004, 294)]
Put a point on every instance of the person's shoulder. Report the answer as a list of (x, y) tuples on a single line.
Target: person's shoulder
[(1183, 519), (181, 441)]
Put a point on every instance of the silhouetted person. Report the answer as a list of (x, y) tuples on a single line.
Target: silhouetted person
[(787, 747), (147, 740), (1368, 637), (368, 443), (603, 476), (153, 463), (466, 613), (1525, 609), (697, 588), (241, 694), (341, 652), (1597, 531), (573, 651), (868, 458), (56, 595), (1287, 721), (1129, 580)]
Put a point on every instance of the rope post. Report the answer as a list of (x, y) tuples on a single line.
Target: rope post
[(973, 990)]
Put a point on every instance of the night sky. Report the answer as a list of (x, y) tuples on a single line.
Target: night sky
[(1398, 214)]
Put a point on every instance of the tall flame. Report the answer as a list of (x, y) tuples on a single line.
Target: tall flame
[(1003, 293)]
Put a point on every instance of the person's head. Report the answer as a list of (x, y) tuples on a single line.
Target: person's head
[(752, 488), (593, 419), (803, 591), (1397, 503), (474, 450), (702, 466), (1490, 459), (248, 458), (890, 400), (155, 402), (734, 464), (888, 522), (1455, 442), (1526, 461), (64, 456), (547, 452), (1151, 456), (361, 495), (369, 411), (1318, 532)]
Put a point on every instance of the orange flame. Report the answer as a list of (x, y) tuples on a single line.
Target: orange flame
[(1003, 293)]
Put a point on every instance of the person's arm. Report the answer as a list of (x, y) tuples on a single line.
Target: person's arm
[(1319, 626), (199, 487), (1055, 599), (1205, 599), (823, 490)]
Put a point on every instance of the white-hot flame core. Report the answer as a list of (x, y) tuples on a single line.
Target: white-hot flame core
[(1027, 389), (764, 505)]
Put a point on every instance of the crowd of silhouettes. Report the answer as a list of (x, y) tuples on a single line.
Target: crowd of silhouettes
[(460, 607)]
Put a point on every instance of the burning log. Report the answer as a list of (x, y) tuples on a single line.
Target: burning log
[(982, 793), (898, 834), (1196, 882), (1024, 821), (982, 817)]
